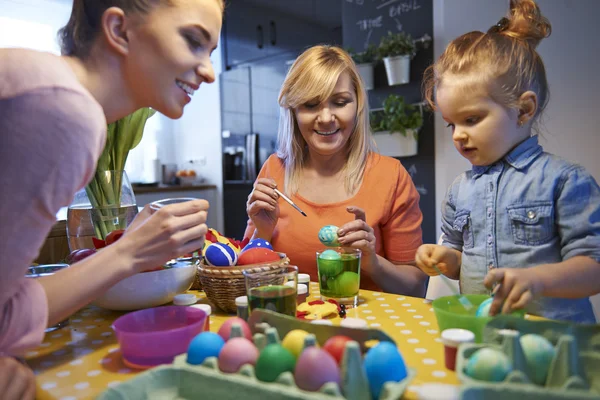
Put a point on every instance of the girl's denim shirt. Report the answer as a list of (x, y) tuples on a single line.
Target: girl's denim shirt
[(529, 208)]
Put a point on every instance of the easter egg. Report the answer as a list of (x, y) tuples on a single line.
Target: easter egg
[(383, 363), (225, 329), (484, 308), (262, 243), (489, 365), (220, 255), (336, 345), (204, 345), (347, 283), (538, 352), (314, 368), (330, 263), (294, 341), (273, 361), (235, 353), (328, 236), (257, 255)]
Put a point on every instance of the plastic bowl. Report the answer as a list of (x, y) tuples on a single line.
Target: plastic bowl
[(148, 289), (451, 314), (156, 335)]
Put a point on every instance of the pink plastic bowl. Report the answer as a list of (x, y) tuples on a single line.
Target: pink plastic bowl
[(156, 335)]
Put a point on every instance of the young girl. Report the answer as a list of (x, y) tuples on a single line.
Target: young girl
[(521, 218)]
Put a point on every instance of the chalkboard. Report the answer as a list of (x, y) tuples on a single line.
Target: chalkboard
[(365, 22)]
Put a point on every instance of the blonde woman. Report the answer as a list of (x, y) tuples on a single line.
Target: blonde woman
[(327, 165)]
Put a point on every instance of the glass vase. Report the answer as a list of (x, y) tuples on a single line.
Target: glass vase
[(106, 204)]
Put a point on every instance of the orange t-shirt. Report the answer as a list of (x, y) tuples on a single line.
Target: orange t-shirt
[(388, 196)]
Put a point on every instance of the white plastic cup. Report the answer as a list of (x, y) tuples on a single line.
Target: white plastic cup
[(452, 338)]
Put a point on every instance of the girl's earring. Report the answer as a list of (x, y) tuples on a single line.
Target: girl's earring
[(520, 123)]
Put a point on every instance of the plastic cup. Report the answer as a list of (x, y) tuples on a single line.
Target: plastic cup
[(208, 310), (339, 275), (274, 290), (452, 338)]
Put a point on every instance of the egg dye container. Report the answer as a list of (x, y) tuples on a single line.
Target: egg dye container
[(573, 373), (184, 381)]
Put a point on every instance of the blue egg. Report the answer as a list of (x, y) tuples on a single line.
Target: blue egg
[(220, 255), (262, 243), (484, 308), (384, 363), (538, 352), (204, 345), (328, 235), (489, 365)]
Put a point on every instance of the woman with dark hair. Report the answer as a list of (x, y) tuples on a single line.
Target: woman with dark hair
[(118, 56)]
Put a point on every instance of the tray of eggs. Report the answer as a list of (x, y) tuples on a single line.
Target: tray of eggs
[(537, 359), (236, 364)]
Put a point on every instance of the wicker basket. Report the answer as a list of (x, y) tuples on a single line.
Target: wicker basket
[(223, 284)]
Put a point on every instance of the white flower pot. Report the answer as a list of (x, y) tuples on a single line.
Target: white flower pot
[(395, 144), (366, 73), (397, 69)]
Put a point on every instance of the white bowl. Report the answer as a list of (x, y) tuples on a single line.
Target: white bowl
[(147, 289)]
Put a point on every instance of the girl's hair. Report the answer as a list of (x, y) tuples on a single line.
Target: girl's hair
[(76, 38), (313, 77), (504, 58)]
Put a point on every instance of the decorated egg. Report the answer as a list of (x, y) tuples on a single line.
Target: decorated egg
[(328, 236), (294, 341), (384, 363), (314, 368), (204, 345), (273, 361), (220, 255), (488, 364), (225, 329), (330, 263), (235, 353), (257, 255), (262, 243), (336, 345), (347, 283), (538, 352), (484, 308)]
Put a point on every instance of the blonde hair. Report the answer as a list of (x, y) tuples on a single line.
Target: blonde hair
[(504, 58), (312, 77)]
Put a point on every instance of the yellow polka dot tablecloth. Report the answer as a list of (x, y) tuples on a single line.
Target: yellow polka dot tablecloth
[(82, 360)]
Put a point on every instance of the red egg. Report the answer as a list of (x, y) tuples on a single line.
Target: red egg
[(225, 329), (335, 346), (257, 255), (315, 367), (235, 353)]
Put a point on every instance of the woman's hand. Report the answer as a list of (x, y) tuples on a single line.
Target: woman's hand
[(359, 235), (154, 238), (517, 288), (17, 382), (444, 258), (262, 207)]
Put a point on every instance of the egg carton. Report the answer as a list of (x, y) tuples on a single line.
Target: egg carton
[(574, 372), (182, 381)]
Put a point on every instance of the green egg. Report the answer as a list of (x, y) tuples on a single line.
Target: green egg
[(330, 263), (347, 283), (273, 361), (489, 365)]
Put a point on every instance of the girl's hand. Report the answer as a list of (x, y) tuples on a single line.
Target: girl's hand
[(262, 207), (359, 235), (517, 288), (156, 237), (429, 255), (16, 380)]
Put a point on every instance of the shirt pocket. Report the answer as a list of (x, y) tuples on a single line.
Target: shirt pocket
[(532, 224), (462, 223)]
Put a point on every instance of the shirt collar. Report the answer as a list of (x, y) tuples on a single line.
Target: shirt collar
[(518, 158)]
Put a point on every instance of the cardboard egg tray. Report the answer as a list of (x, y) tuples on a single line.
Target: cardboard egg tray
[(182, 381), (574, 373)]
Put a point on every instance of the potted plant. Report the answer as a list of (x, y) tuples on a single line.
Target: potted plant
[(395, 127), (364, 64), (396, 50)]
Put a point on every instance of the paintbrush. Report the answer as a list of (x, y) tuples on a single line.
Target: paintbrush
[(461, 299), (283, 196)]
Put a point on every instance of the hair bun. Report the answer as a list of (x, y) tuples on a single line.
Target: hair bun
[(526, 22)]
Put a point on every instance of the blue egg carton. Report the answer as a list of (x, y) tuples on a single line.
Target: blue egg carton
[(182, 381), (574, 372)]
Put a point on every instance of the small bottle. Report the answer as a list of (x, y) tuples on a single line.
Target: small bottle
[(302, 293), (242, 307), (305, 279), (208, 310)]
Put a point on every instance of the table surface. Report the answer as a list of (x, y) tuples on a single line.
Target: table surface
[(83, 359)]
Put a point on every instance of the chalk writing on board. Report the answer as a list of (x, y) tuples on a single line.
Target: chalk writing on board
[(358, 2), (370, 23), (421, 189), (398, 25), (412, 170)]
